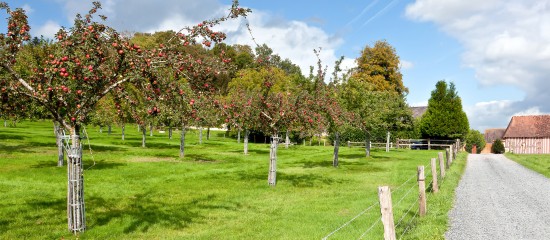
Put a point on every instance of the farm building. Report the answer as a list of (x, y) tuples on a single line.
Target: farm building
[(528, 135), (490, 136), (417, 112)]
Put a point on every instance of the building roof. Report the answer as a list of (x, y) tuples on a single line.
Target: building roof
[(528, 126), (417, 112), (493, 134)]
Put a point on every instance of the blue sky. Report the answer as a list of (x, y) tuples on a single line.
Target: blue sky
[(496, 52)]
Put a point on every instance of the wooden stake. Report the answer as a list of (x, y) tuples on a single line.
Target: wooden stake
[(441, 164), (435, 188), (384, 196), (421, 191), (448, 158)]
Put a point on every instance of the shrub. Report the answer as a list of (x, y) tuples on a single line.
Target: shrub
[(498, 147), (474, 137)]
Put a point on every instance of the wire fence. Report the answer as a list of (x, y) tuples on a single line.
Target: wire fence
[(367, 224)]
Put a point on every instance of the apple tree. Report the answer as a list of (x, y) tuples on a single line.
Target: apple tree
[(87, 61)]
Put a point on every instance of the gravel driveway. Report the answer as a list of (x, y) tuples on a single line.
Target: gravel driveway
[(500, 199)]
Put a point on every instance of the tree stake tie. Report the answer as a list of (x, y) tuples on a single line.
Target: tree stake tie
[(89, 146)]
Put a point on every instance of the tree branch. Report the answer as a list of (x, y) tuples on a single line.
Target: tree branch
[(17, 78)]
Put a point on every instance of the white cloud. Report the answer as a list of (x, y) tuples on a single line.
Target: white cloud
[(48, 30), (404, 64), (505, 42), (530, 111), (493, 114), (28, 9), (419, 104), (294, 40)]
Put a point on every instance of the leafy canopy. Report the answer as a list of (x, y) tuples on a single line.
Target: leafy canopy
[(444, 117)]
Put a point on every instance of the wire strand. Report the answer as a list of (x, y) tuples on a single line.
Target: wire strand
[(353, 219), (400, 186), (408, 225), (405, 214), (403, 197), (89, 147), (370, 228)]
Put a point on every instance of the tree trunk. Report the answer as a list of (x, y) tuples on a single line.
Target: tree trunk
[(245, 141), (109, 129), (239, 136), (388, 142), (75, 192), (208, 133), (336, 148), (5, 123), (150, 129), (123, 128), (287, 139), (143, 134), (59, 141), (272, 178), (170, 132), (182, 141), (200, 135), (367, 145), (310, 140), (100, 129), (138, 127)]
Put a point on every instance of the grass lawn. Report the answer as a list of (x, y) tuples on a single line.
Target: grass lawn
[(215, 192), (537, 162)]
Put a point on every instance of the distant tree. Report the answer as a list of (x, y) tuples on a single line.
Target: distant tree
[(498, 147), (374, 112), (104, 114), (379, 66), (474, 137), (444, 118)]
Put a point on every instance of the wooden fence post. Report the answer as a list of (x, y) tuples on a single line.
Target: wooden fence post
[(441, 164), (429, 144), (349, 144), (457, 148), (384, 196), (435, 188), (421, 191), (448, 158), (452, 154)]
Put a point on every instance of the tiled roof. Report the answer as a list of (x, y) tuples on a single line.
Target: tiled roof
[(528, 126), (494, 134), (418, 111)]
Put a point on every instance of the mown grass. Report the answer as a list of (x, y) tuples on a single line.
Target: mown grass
[(215, 192), (537, 162)]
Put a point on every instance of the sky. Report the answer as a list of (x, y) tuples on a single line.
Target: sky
[(497, 52)]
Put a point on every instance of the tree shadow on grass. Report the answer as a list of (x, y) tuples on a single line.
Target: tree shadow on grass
[(306, 180), (88, 165), (199, 158), (144, 212), (155, 145), (259, 151), (102, 148), (27, 147), (138, 213), (15, 148), (11, 137), (351, 155), (296, 180)]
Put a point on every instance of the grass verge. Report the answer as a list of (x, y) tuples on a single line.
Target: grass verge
[(537, 162)]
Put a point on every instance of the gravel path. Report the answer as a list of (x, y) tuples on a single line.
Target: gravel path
[(500, 199)]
